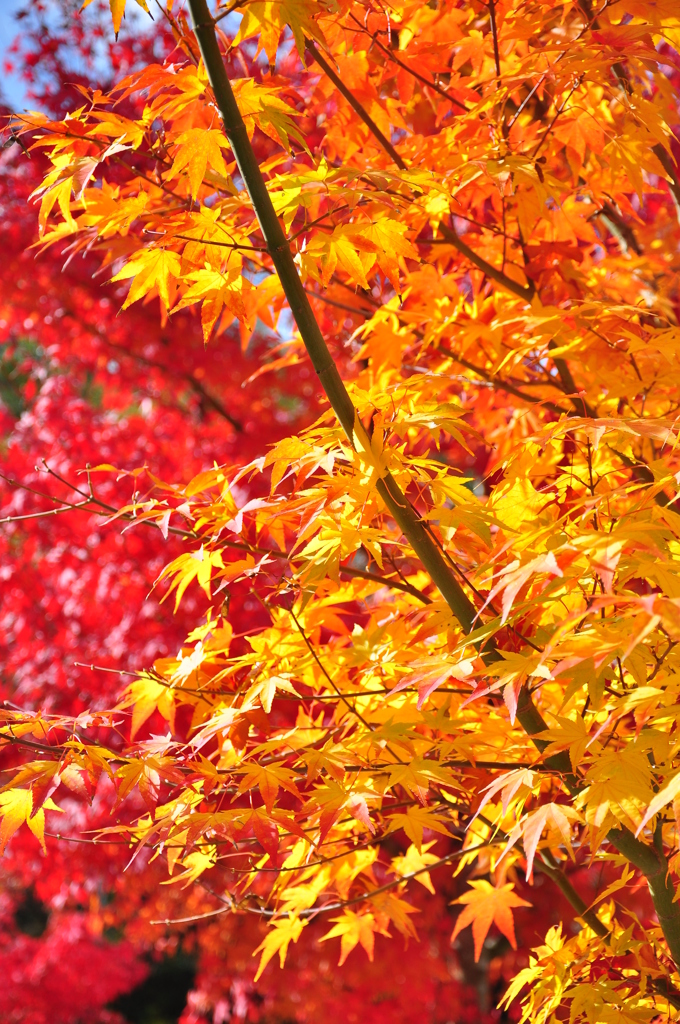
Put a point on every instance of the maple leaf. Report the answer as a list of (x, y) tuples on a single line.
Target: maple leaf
[(150, 268), (268, 780), (515, 575), (513, 784), (666, 795), (145, 696), (580, 132), (263, 108), (414, 821), (358, 808), (117, 11), (57, 189), (429, 674), (486, 905), (218, 290), (388, 239), (550, 815), (353, 928), (268, 18), (277, 940), (197, 149), (415, 862), (571, 734), (16, 807), (196, 565), (194, 864)]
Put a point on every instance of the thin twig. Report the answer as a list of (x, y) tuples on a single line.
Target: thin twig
[(354, 104)]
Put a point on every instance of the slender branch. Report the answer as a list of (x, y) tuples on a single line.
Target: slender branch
[(192, 919), (369, 894), (354, 104), (494, 33), (337, 305), (503, 385), (571, 391), (407, 588), (48, 512), (416, 74), (622, 232), (397, 504), (525, 292), (557, 115), (43, 748), (671, 170), (550, 868)]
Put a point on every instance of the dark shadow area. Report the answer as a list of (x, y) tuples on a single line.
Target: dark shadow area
[(162, 998), (31, 916)]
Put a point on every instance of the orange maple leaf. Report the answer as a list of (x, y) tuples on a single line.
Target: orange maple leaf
[(487, 905)]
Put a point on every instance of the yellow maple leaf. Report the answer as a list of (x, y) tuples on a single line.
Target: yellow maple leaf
[(277, 941), (555, 817), (16, 807), (218, 290), (413, 823), (486, 905), (370, 450), (263, 108), (196, 150), (387, 238), (117, 11), (269, 18), (353, 928), (194, 865), (414, 861), (192, 565), (151, 268), (145, 696), (60, 193), (666, 795)]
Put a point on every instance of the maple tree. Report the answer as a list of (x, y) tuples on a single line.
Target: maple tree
[(466, 566), (70, 392)]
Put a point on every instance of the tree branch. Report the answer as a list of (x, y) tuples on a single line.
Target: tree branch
[(672, 171), (525, 292), (397, 504), (416, 74), (502, 385), (622, 232), (355, 105), (494, 33)]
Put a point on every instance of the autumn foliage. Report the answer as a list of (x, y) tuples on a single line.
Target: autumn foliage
[(428, 618)]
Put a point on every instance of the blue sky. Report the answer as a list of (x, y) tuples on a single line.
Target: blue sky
[(11, 86)]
